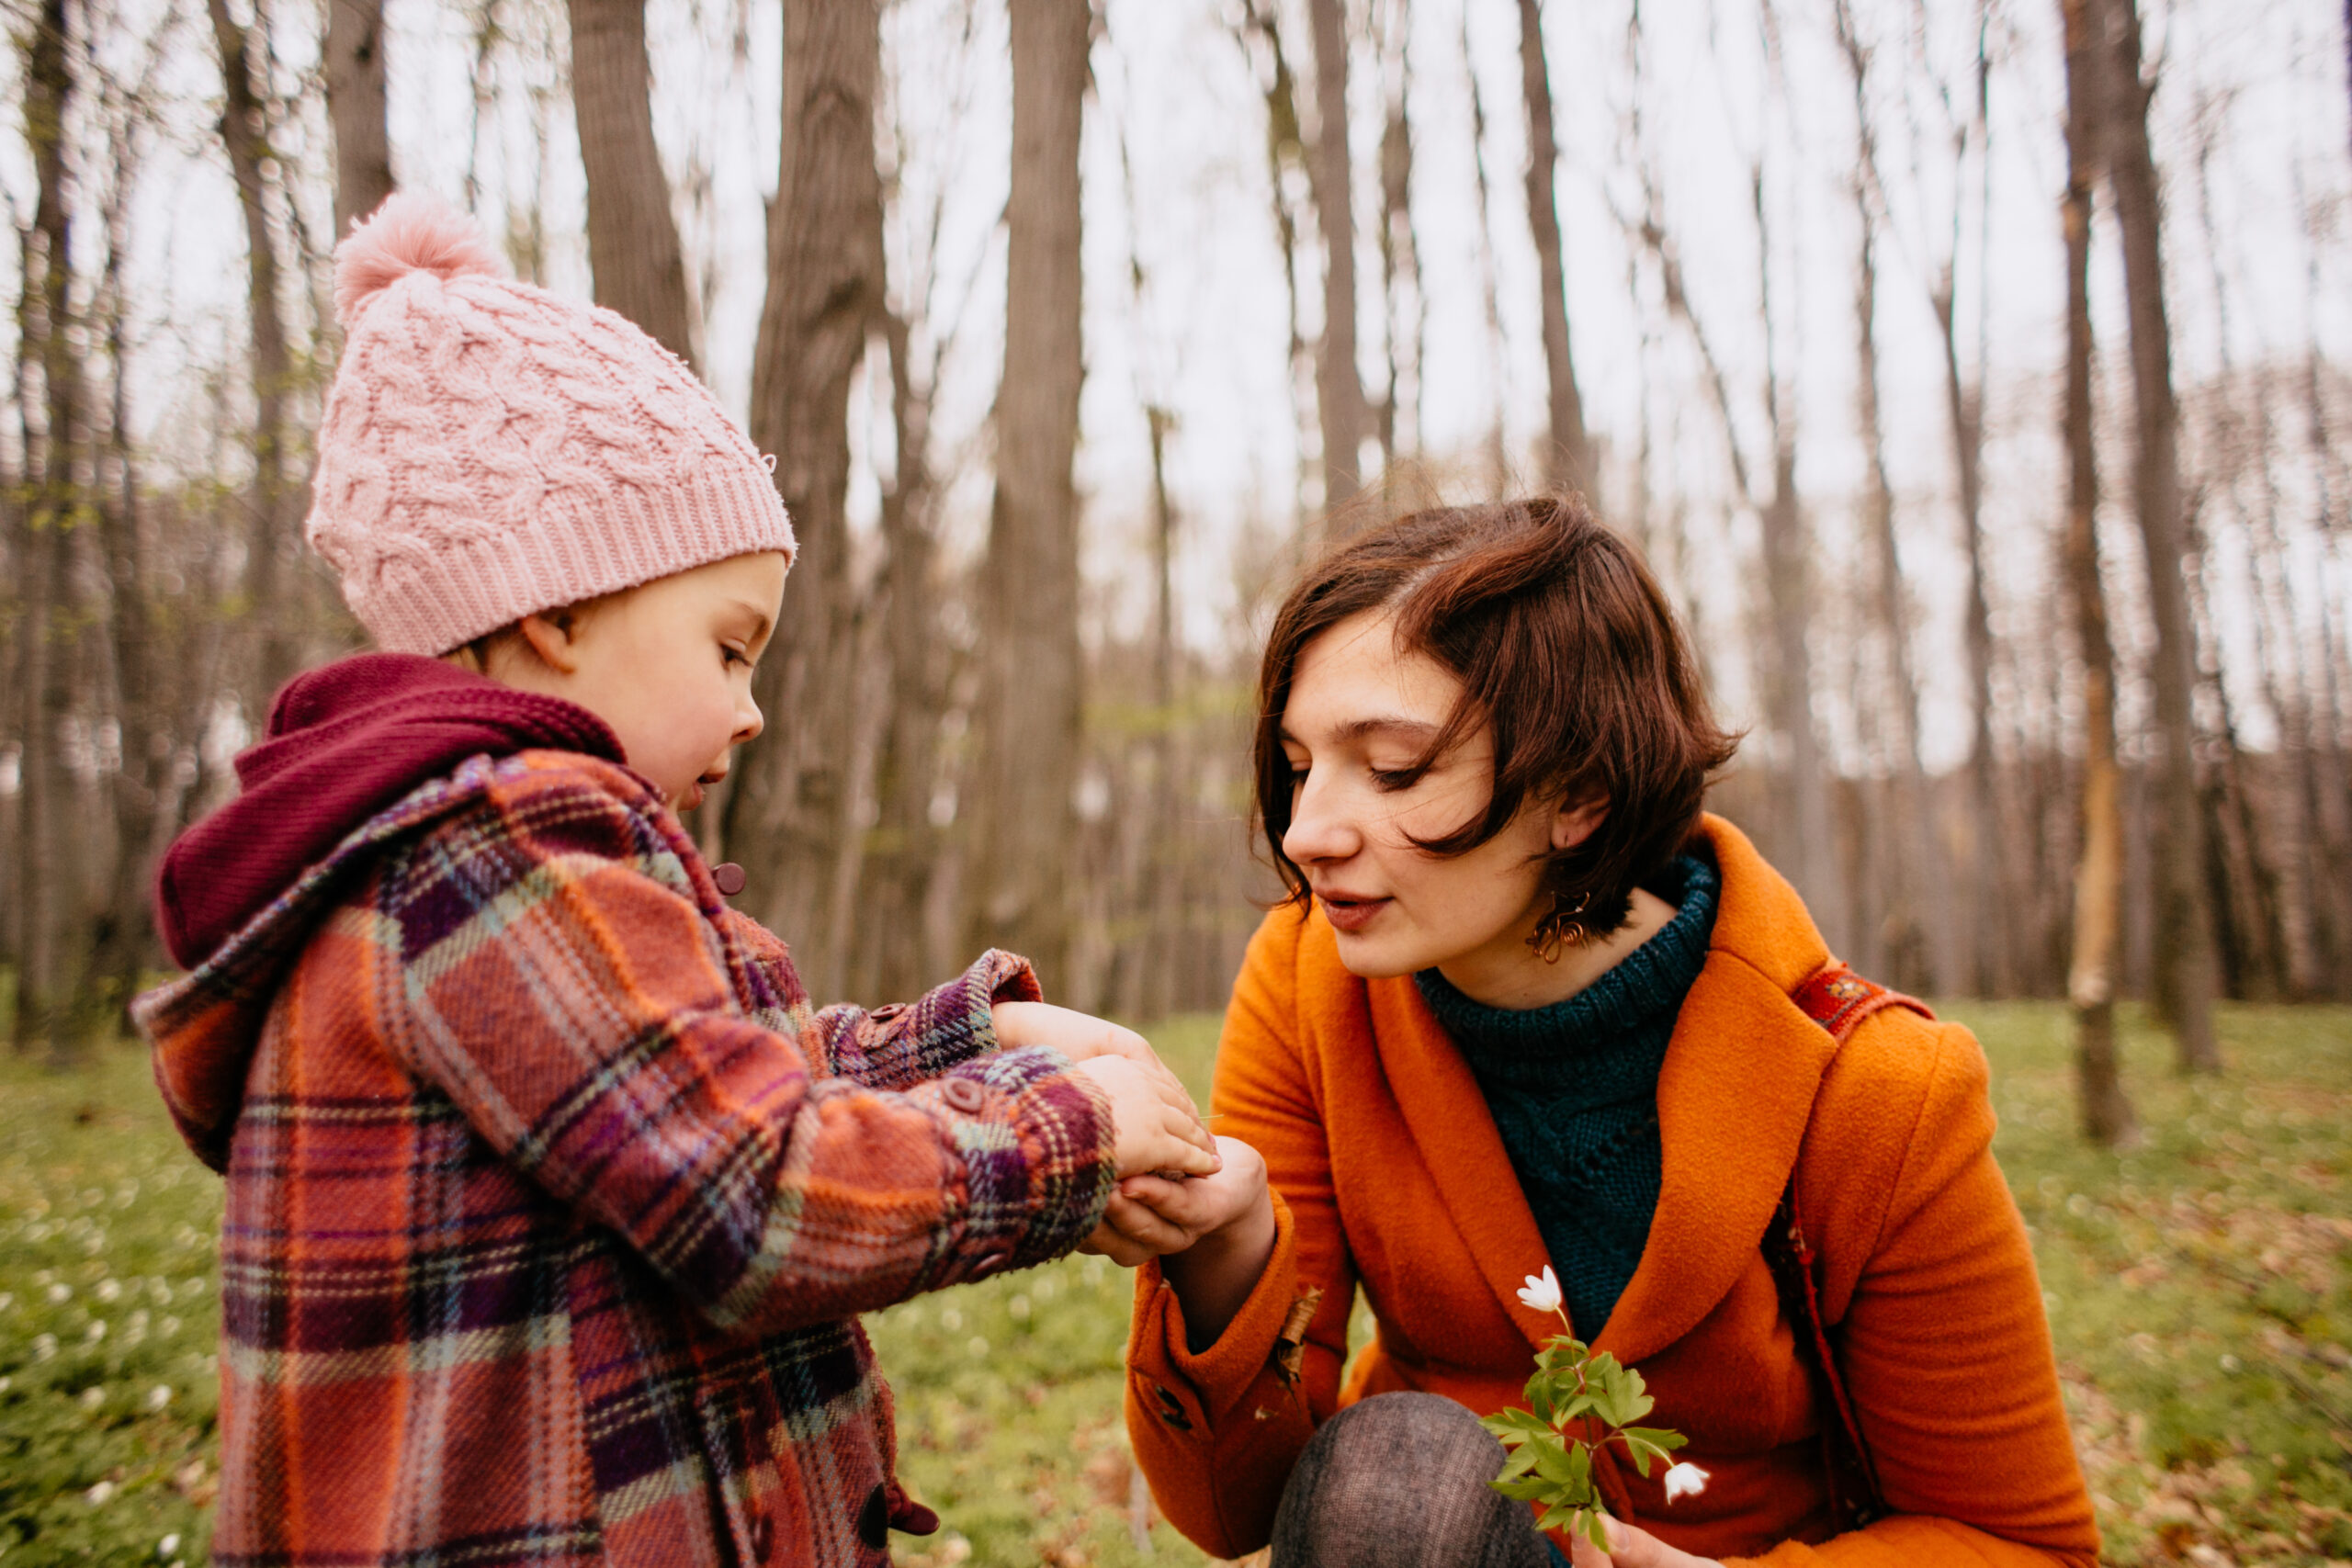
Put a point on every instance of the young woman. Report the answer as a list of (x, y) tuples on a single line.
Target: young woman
[(1527, 1005)]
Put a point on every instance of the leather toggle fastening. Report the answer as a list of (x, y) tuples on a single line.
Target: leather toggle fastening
[(729, 879)]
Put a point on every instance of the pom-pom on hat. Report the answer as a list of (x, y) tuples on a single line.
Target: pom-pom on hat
[(491, 450)]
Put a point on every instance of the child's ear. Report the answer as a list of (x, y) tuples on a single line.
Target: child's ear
[(554, 637), (1574, 823)]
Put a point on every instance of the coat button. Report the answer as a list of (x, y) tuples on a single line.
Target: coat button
[(729, 879), (964, 1095), (987, 1264), (885, 1013), (762, 1538)]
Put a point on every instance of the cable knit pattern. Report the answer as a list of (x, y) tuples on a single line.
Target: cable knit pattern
[(491, 450)]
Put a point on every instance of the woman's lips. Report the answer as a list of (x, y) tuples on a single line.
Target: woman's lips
[(1352, 914)]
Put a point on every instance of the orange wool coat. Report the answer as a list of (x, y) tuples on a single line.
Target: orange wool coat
[(1390, 1176)]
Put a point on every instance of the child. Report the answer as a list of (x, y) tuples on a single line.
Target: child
[(550, 1200)]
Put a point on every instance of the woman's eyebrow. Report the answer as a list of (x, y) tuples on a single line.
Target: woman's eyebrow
[(1376, 724)]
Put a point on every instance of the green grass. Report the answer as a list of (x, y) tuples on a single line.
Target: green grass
[(2200, 1289)]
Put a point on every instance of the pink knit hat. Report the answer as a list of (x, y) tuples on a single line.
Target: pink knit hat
[(491, 450)]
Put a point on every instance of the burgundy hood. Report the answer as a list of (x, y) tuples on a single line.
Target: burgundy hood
[(344, 743)]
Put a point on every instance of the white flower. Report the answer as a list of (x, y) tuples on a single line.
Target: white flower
[(1685, 1479), (99, 1496), (94, 1396), (158, 1396), (1541, 1292), (168, 1545)]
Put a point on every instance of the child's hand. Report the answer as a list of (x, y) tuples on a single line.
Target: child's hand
[(1081, 1037), (1152, 1118), (1150, 1216)]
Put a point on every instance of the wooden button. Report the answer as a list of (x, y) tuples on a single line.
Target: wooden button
[(964, 1095), (729, 879)]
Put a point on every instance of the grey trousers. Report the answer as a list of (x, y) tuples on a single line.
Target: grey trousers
[(1399, 1480)]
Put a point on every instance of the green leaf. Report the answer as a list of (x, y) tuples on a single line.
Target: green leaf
[(1596, 1529), (1520, 1461), (1659, 1437)]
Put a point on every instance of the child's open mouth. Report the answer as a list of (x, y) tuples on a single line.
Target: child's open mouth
[(698, 791)]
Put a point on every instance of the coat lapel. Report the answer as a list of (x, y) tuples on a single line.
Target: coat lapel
[(1734, 1099), (1455, 1135)]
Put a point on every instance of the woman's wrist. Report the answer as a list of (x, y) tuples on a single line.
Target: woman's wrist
[(1214, 1276)]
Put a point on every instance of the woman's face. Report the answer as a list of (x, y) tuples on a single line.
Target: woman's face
[(1361, 711)]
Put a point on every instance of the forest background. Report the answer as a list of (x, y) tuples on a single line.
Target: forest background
[(1972, 371)]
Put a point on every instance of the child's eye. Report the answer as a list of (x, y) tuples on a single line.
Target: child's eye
[(732, 655)]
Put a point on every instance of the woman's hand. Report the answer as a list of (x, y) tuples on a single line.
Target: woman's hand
[(1150, 1216), (1630, 1545), (1153, 1124)]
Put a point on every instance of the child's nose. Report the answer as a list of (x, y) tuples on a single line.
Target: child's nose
[(748, 721)]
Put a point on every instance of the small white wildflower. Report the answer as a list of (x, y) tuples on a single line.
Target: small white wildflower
[(170, 1325), (977, 1346), (159, 1396), (109, 1289), (100, 1495), (96, 1331), (7, 1300), (168, 1545), (1541, 1292), (44, 1347), (1685, 1479), (951, 1320), (94, 1396), (6, 1384), (1019, 1307), (59, 1294)]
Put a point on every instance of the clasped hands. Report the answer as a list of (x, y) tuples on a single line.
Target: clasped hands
[(1178, 1183)]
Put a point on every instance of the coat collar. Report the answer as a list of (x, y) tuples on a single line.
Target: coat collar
[(1734, 1099)]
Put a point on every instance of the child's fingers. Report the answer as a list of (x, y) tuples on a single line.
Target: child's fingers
[(1145, 1228), (1184, 1146)]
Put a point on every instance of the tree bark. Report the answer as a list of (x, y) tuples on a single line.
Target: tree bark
[(1568, 455), (1016, 885), (1338, 385), (245, 131), (355, 73), (793, 808), (49, 910), (2184, 942), (632, 234), (2107, 1116)]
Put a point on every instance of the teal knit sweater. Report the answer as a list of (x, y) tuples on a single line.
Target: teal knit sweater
[(1573, 1089)]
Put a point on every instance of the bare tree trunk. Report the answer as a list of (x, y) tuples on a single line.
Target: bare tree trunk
[(1017, 892), (900, 877), (49, 915), (354, 72), (794, 803), (245, 131), (632, 234), (2107, 1115), (1498, 453), (1568, 456), (1788, 585), (1401, 252), (1917, 947), (1990, 969), (1338, 385), (2184, 947), (1284, 151)]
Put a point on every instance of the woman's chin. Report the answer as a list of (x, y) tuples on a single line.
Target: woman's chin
[(1368, 958)]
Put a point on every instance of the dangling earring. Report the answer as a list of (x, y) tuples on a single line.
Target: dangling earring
[(1562, 928)]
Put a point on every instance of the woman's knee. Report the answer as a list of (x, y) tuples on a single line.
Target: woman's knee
[(1402, 1478)]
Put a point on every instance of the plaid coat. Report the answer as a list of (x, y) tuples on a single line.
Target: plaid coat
[(552, 1202)]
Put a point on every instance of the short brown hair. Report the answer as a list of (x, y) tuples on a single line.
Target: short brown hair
[(1564, 643)]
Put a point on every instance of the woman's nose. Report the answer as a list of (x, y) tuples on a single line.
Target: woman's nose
[(1318, 829)]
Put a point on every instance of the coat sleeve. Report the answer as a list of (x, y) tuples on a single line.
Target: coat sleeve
[(564, 983), (901, 1044), (1217, 1431), (1947, 1356)]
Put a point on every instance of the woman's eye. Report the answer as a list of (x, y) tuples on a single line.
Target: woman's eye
[(1394, 779)]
